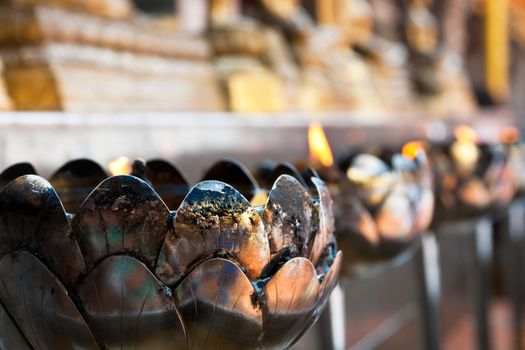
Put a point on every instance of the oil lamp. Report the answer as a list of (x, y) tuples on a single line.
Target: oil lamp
[(386, 201), (122, 270), (472, 178)]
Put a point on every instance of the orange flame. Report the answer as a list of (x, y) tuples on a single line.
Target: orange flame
[(319, 147), (120, 166), (510, 134), (411, 149), (466, 134)]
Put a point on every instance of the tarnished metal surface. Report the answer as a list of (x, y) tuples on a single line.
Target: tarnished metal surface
[(128, 308), (217, 304), (325, 235), (75, 180), (15, 171), (10, 336), (32, 218), (123, 215), (288, 217), (218, 273), (40, 305), (291, 300), (168, 181), (214, 220), (234, 173)]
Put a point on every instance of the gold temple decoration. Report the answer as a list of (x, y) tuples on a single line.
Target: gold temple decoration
[(497, 48), (285, 9), (224, 11), (422, 31), (5, 103), (326, 11), (124, 63), (243, 55)]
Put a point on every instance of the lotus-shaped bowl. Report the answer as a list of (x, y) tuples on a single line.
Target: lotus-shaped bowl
[(123, 271), (467, 189), (384, 203)]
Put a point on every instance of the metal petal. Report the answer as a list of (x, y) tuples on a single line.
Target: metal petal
[(291, 300), (330, 281), (15, 171), (395, 217), (10, 336), (218, 306), (168, 181), (32, 218), (325, 234), (40, 305), (128, 308), (286, 169), (235, 174), (370, 178), (356, 226), (214, 220), (75, 180), (122, 215), (287, 216), (328, 284)]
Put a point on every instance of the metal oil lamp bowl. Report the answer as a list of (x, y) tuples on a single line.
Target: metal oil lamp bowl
[(472, 179), (110, 266), (385, 202)]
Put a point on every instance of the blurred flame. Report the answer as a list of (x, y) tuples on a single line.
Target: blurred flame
[(120, 166), (510, 134), (466, 134), (411, 149), (319, 147)]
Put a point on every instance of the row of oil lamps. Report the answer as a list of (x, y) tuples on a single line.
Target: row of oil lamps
[(235, 262)]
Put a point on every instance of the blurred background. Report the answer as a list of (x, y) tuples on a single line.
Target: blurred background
[(194, 81)]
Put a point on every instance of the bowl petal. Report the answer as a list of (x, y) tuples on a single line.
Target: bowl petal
[(32, 218), (168, 181), (128, 308), (75, 180), (122, 215), (15, 171), (10, 336), (234, 173), (41, 306), (325, 234), (214, 219), (217, 304), (291, 300), (287, 216)]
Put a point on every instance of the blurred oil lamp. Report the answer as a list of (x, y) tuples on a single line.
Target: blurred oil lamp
[(124, 270), (386, 201), (511, 139), (472, 178)]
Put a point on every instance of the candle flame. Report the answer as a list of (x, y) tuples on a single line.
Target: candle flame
[(465, 134), (120, 166), (510, 134), (319, 147), (411, 149)]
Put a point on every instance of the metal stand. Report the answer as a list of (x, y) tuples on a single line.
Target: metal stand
[(429, 277), (333, 321), (483, 246), (515, 244)]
